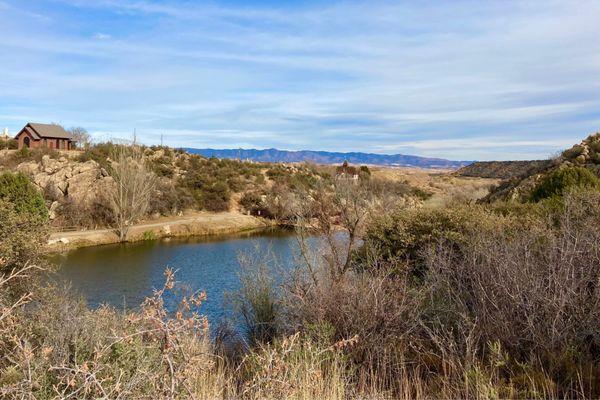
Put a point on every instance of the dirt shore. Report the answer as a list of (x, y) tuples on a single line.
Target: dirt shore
[(195, 224)]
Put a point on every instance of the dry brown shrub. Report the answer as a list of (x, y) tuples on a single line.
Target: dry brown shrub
[(511, 310)]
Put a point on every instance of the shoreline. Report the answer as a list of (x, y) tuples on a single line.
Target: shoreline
[(198, 224)]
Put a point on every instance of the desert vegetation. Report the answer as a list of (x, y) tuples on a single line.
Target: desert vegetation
[(491, 300), (86, 189)]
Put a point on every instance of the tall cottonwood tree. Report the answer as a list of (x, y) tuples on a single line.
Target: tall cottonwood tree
[(134, 186)]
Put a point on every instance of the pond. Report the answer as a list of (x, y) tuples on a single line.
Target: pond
[(122, 275)]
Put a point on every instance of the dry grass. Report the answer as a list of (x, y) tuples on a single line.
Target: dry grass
[(443, 184)]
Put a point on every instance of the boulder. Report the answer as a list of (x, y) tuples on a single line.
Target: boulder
[(42, 180), (83, 183), (28, 168), (157, 154), (52, 211), (87, 166), (83, 187), (63, 186), (45, 160), (50, 165)]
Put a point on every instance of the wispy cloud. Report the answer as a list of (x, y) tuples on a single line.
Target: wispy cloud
[(453, 79), (101, 36)]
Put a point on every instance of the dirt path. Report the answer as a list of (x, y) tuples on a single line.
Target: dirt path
[(187, 225)]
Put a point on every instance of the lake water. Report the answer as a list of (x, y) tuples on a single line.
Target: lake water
[(122, 275)]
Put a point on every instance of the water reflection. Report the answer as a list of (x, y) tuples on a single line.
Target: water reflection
[(122, 275)]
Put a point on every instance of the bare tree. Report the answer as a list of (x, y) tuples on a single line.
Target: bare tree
[(80, 136), (337, 214), (133, 189)]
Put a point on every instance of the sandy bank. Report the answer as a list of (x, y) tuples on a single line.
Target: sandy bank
[(190, 225)]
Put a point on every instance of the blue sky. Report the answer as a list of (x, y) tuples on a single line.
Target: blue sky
[(453, 79)]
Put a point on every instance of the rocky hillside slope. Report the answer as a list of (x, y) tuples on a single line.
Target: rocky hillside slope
[(66, 181), (503, 169), (585, 154)]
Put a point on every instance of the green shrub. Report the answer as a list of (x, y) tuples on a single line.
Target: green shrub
[(23, 229), (573, 152), (10, 144), (257, 301), (20, 192), (251, 201), (99, 152), (421, 194), (595, 146), (21, 237), (236, 183), (408, 235), (276, 172), (148, 235), (171, 199), (23, 217), (563, 180), (213, 197), (162, 170)]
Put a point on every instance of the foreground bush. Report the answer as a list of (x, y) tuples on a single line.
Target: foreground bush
[(531, 294), (23, 229), (58, 349), (53, 346), (505, 305)]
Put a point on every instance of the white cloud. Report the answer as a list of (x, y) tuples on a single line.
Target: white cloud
[(371, 76), (101, 36)]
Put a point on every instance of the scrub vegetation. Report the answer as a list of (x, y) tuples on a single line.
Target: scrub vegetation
[(102, 185), (493, 300)]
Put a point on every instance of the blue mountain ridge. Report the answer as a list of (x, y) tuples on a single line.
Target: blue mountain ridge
[(326, 157)]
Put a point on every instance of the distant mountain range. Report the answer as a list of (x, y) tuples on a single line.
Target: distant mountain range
[(326, 157)]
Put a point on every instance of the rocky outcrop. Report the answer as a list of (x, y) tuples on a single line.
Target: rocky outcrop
[(586, 152), (83, 183)]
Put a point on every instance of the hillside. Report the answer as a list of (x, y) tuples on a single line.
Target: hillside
[(76, 184), (520, 187), (325, 157), (502, 169)]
